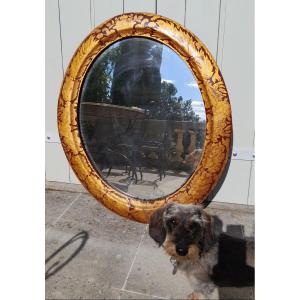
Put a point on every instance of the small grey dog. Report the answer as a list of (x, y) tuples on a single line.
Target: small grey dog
[(209, 257)]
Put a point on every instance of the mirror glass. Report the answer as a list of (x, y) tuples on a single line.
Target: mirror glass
[(142, 118)]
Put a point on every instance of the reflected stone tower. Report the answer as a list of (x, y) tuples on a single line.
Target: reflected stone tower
[(136, 77)]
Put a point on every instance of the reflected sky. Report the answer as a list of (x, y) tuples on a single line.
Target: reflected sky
[(182, 77)]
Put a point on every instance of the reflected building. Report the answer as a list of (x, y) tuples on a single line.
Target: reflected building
[(136, 77)]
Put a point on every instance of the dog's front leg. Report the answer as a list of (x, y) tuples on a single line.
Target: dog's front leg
[(203, 289)]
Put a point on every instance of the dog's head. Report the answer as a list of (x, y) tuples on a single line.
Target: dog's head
[(185, 231)]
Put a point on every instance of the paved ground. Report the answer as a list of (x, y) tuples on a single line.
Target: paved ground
[(92, 253), (150, 186)]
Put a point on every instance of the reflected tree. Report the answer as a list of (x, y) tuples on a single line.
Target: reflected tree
[(97, 85), (171, 107)]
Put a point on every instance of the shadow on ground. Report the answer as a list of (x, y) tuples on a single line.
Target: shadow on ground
[(57, 265), (114, 258)]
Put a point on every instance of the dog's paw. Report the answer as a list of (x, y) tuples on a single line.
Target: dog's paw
[(195, 296), (199, 296)]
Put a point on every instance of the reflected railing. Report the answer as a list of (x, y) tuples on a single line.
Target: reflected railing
[(124, 137)]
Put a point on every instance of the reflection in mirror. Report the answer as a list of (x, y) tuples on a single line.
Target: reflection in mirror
[(142, 118)]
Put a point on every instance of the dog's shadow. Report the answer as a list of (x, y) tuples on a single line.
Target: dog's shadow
[(241, 292), (233, 293)]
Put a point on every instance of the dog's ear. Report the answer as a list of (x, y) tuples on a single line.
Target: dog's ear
[(156, 225), (212, 229)]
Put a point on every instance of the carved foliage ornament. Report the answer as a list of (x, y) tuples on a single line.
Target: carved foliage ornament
[(216, 101)]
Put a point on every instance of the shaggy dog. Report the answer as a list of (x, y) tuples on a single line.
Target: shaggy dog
[(199, 248)]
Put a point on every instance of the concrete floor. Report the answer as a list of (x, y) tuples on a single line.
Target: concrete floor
[(92, 253)]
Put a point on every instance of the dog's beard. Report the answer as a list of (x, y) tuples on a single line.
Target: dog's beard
[(170, 248)]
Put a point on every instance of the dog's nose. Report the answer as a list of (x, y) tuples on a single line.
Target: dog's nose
[(181, 251)]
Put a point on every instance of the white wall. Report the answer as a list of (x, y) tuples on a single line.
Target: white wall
[(227, 29)]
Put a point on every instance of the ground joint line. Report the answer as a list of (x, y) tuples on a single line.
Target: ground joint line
[(62, 214), (133, 261)]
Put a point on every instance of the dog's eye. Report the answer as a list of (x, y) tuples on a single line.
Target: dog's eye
[(172, 221)]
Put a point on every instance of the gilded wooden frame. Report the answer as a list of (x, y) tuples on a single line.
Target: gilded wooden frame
[(214, 94)]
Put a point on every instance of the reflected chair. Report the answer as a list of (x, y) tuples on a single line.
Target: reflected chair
[(108, 158), (160, 148), (135, 158)]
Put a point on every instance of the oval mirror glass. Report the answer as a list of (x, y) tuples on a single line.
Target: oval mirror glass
[(142, 118)]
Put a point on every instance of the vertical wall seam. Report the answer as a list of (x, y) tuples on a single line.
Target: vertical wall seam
[(62, 62), (69, 174), (218, 34), (224, 32), (91, 22), (155, 6), (184, 18), (248, 193), (60, 37), (252, 162), (94, 14), (123, 6)]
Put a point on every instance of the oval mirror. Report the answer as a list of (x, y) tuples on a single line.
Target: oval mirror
[(142, 118), (144, 115)]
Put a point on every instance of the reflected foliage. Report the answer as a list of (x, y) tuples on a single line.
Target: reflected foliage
[(118, 79), (171, 107), (99, 81)]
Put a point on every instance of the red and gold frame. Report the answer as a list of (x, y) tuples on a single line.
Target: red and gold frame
[(217, 107)]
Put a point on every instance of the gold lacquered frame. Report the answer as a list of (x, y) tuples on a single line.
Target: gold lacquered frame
[(214, 94)]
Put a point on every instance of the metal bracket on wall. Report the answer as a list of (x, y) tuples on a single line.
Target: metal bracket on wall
[(237, 154), (243, 154), (52, 138)]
